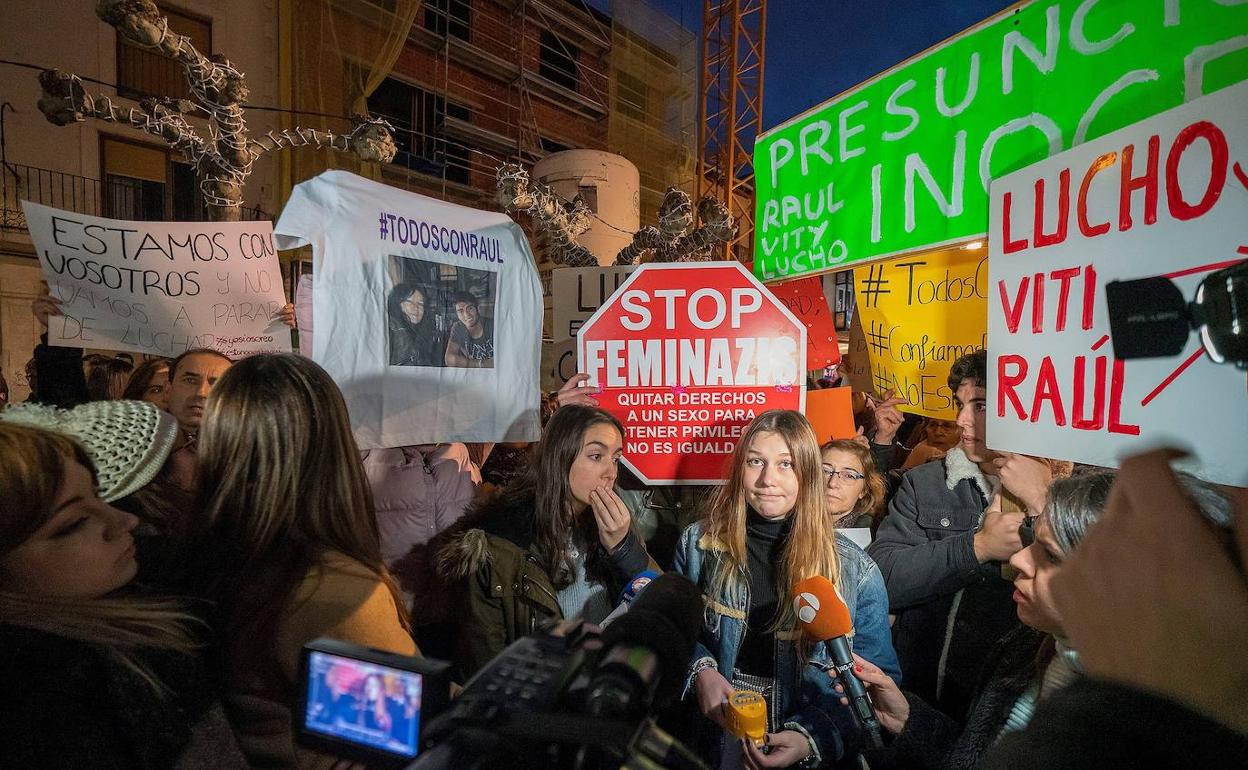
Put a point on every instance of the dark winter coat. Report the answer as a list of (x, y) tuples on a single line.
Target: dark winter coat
[(501, 593), (950, 608), (1090, 723), (74, 705), (932, 739)]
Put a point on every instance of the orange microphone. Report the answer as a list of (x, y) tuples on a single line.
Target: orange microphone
[(823, 616), (820, 610)]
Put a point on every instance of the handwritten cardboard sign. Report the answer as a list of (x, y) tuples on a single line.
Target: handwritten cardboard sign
[(577, 293), (831, 413), (919, 315), (1165, 197), (901, 163), (857, 359), (805, 299), (160, 288)]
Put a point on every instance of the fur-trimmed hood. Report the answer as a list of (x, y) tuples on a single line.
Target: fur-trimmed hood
[(464, 549), (431, 571)]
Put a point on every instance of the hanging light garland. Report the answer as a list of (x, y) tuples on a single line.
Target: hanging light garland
[(224, 159)]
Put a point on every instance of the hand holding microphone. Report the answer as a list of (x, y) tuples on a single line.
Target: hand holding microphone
[(713, 692), (891, 707), (824, 617)]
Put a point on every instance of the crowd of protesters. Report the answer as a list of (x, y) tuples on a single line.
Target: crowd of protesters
[(173, 533)]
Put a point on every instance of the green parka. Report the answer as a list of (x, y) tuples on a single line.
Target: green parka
[(503, 594)]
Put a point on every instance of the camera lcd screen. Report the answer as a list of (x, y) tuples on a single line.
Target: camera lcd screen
[(363, 702)]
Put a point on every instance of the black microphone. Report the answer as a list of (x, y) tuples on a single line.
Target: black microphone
[(824, 617), (647, 650)]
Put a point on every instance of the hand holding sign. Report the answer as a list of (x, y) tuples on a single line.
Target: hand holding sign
[(287, 315), (998, 538), (888, 418), (45, 305), (1026, 478), (575, 391)]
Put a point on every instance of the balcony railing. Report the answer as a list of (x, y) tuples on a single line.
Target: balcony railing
[(51, 188), (72, 192)]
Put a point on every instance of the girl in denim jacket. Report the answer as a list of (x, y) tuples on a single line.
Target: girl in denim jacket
[(763, 531)]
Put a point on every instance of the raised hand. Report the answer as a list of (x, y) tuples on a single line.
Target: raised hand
[(575, 391), (1027, 478), (888, 418)]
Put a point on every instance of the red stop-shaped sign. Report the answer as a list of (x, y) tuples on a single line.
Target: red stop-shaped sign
[(686, 355)]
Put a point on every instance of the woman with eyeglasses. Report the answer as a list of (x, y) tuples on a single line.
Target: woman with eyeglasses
[(853, 489), (760, 534), (1028, 664)]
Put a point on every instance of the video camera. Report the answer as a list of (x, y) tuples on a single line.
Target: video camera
[(368, 705), (578, 699), (1149, 318)]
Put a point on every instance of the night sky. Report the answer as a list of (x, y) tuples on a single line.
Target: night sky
[(818, 48)]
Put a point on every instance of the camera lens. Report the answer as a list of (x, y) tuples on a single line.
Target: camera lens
[(1220, 314)]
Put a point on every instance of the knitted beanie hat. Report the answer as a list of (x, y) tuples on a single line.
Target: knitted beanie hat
[(128, 441)]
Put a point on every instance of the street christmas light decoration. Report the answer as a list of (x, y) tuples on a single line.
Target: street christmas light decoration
[(562, 222), (222, 161), (673, 240)]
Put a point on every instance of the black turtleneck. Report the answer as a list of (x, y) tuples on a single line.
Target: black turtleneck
[(764, 542)]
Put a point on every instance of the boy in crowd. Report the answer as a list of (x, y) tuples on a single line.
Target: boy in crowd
[(944, 543), (471, 343)]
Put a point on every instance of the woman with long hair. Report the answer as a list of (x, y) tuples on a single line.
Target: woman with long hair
[(853, 489), (1027, 665), (375, 713), (105, 675), (413, 336), (150, 382), (556, 544), (287, 540), (107, 377), (763, 531)]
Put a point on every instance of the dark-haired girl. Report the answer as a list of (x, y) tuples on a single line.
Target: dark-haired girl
[(413, 337), (556, 544)]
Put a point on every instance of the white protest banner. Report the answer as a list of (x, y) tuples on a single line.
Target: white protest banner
[(578, 292), (1165, 197), (428, 315), (160, 288)]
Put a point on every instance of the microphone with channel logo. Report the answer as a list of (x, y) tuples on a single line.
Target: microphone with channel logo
[(629, 594), (825, 618)]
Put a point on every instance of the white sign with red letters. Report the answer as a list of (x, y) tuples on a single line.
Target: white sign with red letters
[(1165, 197)]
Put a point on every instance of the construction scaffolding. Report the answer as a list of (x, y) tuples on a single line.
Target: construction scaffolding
[(654, 109), (469, 86)]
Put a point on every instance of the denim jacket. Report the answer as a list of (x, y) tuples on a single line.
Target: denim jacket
[(805, 697)]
